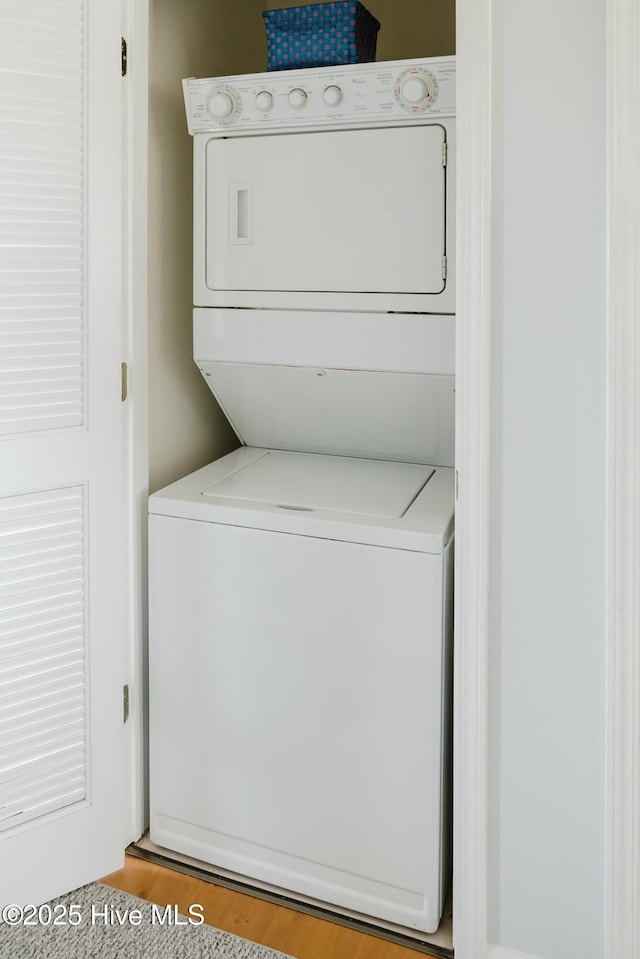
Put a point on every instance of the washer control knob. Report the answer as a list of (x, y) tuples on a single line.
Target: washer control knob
[(332, 95), (298, 98), (221, 105), (264, 100), (415, 89)]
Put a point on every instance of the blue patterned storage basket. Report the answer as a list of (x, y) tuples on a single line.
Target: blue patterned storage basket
[(320, 35)]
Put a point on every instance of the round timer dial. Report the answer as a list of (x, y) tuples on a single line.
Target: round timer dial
[(223, 104), (416, 90)]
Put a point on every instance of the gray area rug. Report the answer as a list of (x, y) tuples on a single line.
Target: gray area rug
[(97, 921)]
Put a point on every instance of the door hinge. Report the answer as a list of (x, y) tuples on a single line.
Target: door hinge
[(124, 382), (445, 153), (444, 267), (124, 56), (125, 703)]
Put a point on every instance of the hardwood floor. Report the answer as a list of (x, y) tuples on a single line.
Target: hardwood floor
[(299, 935)]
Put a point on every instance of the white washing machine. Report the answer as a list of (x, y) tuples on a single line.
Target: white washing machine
[(300, 669), (301, 587)]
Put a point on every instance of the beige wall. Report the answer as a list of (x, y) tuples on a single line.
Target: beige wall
[(186, 38), (408, 28)]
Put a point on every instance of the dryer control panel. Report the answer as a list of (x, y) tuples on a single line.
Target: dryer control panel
[(390, 92)]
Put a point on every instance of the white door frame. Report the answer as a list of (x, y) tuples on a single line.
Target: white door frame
[(474, 226), (622, 825), (622, 919), (135, 30), (473, 437)]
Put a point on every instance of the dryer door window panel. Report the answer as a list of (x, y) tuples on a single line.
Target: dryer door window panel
[(357, 211)]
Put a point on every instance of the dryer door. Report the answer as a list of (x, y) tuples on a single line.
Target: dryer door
[(351, 212)]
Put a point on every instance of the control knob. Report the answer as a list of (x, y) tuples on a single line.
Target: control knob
[(416, 89), (221, 105), (332, 95), (264, 100), (297, 98)]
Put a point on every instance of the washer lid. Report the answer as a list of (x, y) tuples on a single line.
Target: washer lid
[(310, 482), (425, 526)]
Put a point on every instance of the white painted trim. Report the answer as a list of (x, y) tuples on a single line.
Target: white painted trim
[(135, 137), (501, 952), (473, 437), (622, 922)]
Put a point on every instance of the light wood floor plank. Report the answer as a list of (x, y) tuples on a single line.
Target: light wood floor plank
[(304, 937)]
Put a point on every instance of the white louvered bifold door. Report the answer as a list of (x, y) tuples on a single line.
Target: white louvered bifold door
[(41, 220), (62, 540)]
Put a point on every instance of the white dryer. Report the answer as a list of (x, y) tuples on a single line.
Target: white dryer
[(301, 587), (328, 189)]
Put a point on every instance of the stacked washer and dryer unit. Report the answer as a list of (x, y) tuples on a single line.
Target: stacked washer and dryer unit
[(301, 586)]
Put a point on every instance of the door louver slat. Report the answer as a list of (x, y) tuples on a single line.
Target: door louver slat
[(42, 146), (42, 653)]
